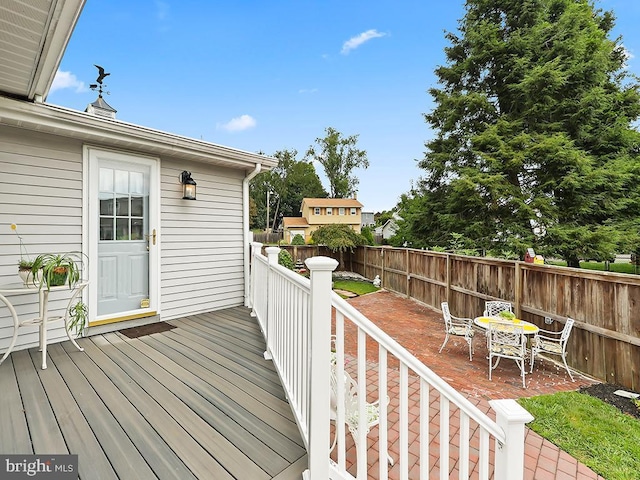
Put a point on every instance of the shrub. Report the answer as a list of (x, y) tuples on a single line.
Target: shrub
[(367, 233), (284, 259), (297, 240)]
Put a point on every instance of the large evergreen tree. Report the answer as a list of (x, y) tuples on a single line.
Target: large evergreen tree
[(534, 144)]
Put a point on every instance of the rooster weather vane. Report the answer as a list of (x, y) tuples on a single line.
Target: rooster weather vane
[(101, 75)]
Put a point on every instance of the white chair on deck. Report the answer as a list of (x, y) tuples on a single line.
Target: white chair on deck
[(351, 410), (553, 343), (507, 340), (493, 308), (458, 327)]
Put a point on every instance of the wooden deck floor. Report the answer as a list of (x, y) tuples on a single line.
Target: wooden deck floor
[(197, 401)]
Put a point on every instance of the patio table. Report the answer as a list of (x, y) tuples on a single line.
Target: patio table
[(527, 327), (43, 314)]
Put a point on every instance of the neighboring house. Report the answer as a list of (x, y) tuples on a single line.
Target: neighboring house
[(293, 226), (387, 230), (317, 212), (367, 219), (77, 181)]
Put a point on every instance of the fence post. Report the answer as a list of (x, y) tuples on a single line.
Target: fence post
[(448, 292), (256, 247), (320, 269), (518, 289), (382, 276), (511, 417), (408, 274), (272, 255)]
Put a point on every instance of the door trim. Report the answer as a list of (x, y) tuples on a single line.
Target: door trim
[(91, 156)]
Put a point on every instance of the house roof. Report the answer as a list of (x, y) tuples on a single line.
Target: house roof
[(34, 37), (289, 222), (331, 202)]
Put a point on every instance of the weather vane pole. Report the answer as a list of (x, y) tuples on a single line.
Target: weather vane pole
[(99, 85)]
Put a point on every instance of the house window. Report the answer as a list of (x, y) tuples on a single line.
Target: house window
[(329, 211), (341, 210), (316, 211), (353, 211)]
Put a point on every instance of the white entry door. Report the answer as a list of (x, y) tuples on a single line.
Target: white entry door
[(124, 236)]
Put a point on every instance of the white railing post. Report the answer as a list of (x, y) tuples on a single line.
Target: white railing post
[(511, 417), (272, 255), (321, 269), (256, 247)]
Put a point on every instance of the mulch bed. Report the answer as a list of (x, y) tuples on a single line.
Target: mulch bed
[(604, 391)]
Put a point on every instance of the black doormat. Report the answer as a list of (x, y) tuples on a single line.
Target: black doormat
[(135, 332)]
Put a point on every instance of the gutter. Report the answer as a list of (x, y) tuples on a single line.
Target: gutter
[(245, 228)]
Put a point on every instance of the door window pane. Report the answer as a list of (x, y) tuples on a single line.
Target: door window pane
[(137, 206), (122, 181), (106, 204), (137, 182), (106, 229), (122, 228), (106, 180), (122, 206), (137, 229)]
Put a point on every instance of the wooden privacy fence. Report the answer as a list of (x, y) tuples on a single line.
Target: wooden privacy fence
[(605, 342)]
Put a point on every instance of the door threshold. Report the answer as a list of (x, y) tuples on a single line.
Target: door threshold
[(112, 325)]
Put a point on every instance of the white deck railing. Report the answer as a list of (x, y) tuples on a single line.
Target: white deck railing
[(298, 317)]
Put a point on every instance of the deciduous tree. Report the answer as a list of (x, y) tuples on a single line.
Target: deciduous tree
[(339, 156)]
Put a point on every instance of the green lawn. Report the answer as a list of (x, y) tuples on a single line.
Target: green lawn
[(359, 288), (592, 431), (613, 267)]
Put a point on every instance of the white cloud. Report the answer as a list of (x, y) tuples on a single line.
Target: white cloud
[(355, 42), (64, 80), (238, 124), (162, 10), (307, 90)]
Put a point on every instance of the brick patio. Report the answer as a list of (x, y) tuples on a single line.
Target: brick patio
[(420, 330)]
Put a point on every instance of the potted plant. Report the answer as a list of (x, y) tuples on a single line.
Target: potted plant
[(57, 269), (25, 270)]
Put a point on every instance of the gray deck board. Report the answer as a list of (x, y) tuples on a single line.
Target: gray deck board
[(114, 389), (241, 403), (198, 401), (73, 426), (13, 424), (43, 427), (158, 383)]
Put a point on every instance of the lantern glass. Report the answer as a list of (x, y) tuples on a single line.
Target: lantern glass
[(188, 186)]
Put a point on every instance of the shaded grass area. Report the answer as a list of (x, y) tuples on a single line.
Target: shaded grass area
[(592, 431), (359, 288), (613, 267)]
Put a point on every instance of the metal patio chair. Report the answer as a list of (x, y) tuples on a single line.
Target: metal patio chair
[(457, 327), (493, 308), (351, 410), (507, 341), (553, 343)]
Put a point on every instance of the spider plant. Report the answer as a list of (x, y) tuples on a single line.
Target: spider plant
[(57, 269)]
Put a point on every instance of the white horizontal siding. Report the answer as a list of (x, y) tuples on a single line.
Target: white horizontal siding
[(41, 192), (201, 246)]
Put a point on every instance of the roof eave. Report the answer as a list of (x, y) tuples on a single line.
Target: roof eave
[(61, 24), (117, 134)]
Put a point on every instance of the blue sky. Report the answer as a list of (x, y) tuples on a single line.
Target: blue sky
[(272, 75)]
